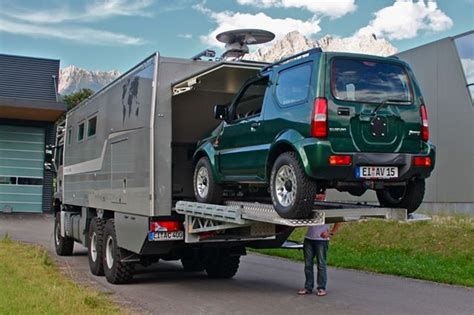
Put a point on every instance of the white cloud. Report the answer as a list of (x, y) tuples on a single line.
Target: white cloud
[(91, 11), (332, 8), (185, 36), (405, 18), (68, 22), (78, 34), (228, 20)]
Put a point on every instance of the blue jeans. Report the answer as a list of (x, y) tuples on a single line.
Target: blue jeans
[(318, 249)]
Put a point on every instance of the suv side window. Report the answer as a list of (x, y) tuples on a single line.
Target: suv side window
[(293, 84), (250, 101)]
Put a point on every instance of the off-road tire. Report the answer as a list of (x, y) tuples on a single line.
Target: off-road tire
[(214, 193), (409, 197), (192, 264), (64, 245), (119, 272), (96, 226), (222, 266), (303, 203)]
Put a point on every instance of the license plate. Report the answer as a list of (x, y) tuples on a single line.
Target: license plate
[(166, 236), (377, 172)]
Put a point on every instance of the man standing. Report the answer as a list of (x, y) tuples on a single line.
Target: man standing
[(316, 243)]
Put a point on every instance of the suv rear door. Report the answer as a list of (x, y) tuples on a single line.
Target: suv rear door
[(372, 106)]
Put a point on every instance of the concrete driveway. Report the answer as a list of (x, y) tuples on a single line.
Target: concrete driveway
[(263, 285)]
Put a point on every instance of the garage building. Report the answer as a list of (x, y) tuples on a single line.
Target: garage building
[(29, 107)]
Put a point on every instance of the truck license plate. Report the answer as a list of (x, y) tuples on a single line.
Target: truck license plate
[(165, 236), (377, 172)]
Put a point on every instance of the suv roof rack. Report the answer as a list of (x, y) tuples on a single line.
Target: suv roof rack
[(306, 52)]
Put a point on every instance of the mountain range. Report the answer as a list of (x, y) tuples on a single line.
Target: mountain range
[(73, 78)]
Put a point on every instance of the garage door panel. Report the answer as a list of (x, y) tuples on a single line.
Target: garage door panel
[(21, 168), (22, 172), (29, 189), (5, 153), (22, 146), (11, 162), (21, 136), (19, 197)]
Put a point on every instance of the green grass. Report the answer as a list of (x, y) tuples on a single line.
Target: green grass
[(441, 250), (30, 283)]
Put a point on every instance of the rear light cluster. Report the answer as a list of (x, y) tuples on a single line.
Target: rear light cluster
[(425, 135), (340, 160), (422, 161), (319, 123), (165, 226)]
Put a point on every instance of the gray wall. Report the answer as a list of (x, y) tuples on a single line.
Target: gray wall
[(439, 72)]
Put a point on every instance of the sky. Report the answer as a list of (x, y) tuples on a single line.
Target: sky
[(117, 34)]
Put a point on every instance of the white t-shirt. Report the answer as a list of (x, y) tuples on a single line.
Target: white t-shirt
[(314, 232)]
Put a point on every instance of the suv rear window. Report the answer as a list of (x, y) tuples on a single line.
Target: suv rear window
[(369, 81)]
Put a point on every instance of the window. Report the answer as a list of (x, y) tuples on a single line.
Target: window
[(465, 47), (7, 180), (80, 132), (91, 126), (69, 136), (293, 85), (369, 81), (250, 101), (30, 181)]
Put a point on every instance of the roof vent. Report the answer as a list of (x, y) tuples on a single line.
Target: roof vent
[(237, 41)]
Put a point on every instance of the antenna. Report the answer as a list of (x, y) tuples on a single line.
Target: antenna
[(237, 41)]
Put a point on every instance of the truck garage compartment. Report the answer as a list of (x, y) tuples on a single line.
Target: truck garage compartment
[(193, 103)]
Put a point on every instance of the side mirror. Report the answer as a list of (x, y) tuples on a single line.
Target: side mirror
[(221, 112)]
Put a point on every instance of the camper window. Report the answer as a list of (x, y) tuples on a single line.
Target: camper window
[(80, 132), (91, 126)]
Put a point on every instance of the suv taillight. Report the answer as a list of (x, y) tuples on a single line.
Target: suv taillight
[(319, 123), (425, 135)]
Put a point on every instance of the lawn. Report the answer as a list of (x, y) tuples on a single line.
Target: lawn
[(441, 250), (30, 283)]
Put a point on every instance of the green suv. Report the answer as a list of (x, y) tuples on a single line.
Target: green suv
[(323, 120)]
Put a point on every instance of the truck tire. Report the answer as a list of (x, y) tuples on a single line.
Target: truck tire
[(95, 241), (408, 197), (293, 192), (206, 189), (64, 245), (116, 271), (192, 264), (222, 266)]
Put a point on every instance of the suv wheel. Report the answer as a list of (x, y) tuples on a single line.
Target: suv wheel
[(409, 197), (206, 190), (293, 192)]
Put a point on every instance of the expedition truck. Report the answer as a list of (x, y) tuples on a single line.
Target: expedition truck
[(125, 161)]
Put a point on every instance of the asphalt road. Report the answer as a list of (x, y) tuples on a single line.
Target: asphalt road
[(263, 285)]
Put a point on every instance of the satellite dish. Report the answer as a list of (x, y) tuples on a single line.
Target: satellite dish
[(237, 41)]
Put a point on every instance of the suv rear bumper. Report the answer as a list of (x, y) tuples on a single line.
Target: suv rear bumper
[(317, 163)]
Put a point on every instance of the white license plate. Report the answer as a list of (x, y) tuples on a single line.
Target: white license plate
[(377, 172), (165, 236)]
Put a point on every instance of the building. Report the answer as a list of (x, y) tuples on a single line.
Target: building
[(29, 107), (444, 70)]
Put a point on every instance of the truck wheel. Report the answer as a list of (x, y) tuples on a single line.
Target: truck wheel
[(408, 197), (96, 240), (116, 271), (222, 266), (64, 245), (292, 191), (206, 190), (193, 264)]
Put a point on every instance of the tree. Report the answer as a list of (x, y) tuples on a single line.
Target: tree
[(73, 99)]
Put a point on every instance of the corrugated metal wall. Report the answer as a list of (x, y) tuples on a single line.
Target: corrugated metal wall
[(28, 78)]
